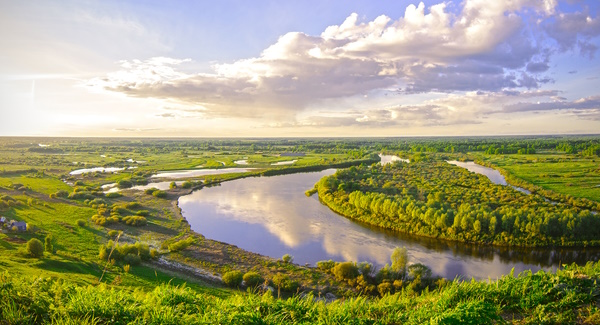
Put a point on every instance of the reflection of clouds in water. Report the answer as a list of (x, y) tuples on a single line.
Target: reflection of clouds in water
[(271, 215)]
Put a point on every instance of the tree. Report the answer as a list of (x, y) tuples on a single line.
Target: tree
[(287, 258), (35, 247), (48, 244), (399, 260)]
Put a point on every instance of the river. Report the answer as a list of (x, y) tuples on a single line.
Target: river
[(272, 216)]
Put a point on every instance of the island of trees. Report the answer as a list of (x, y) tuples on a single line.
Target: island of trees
[(436, 199)]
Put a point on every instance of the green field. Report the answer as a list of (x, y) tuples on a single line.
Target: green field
[(565, 174), (155, 250)]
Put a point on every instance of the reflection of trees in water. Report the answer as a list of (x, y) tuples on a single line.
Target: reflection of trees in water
[(508, 255)]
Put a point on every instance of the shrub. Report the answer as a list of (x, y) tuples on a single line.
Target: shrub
[(186, 184), (48, 244), (173, 185), (159, 194), (399, 260), (61, 193), (345, 270), (365, 268), (80, 222), (182, 244), (233, 278), (283, 282), (419, 271), (113, 195), (135, 221), (35, 247), (132, 259), (287, 258), (150, 191), (253, 279), (124, 183), (325, 265), (384, 288), (143, 213), (113, 233), (133, 205)]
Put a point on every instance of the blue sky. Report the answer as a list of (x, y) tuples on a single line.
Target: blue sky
[(301, 68)]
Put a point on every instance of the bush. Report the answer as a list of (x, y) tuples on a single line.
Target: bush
[(35, 247), (325, 265), (132, 259), (124, 183), (113, 195), (182, 244), (253, 279), (186, 184), (80, 222), (159, 194), (143, 213), (345, 270), (150, 191), (384, 288), (61, 193), (283, 282), (233, 278), (113, 233), (48, 244), (173, 185), (287, 258), (419, 271), (136, 221), (133, 205)]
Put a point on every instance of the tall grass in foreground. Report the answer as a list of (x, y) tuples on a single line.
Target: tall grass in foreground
[(568, 296)]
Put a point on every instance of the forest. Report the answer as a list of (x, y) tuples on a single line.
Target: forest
[(436, 199)]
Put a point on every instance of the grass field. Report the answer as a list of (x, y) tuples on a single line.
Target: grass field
[(565, 174)]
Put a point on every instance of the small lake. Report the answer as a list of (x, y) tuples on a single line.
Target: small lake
[(199, 172), (283, 163), (112, 187), (388, 159), (272, 216), (96, 169)]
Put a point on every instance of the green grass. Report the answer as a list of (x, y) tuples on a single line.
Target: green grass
[(565, 174), (568, 296)]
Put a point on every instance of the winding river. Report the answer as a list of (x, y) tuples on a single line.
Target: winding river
[(272, 216)]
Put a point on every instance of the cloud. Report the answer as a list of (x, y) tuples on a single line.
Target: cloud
[(579, 106), (574, 30), (488, 47), (136, 129)]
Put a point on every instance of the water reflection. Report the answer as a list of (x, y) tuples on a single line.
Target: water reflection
[(199, 172), (273, 217), (494, 175), (96, 169), (388, 159)]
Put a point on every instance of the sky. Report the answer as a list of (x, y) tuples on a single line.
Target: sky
[(299, 68)]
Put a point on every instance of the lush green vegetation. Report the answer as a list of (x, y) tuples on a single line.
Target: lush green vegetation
[(569, 296), (88, 256), (436, 199)]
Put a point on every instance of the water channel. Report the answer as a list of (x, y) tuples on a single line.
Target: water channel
[(272, 216)]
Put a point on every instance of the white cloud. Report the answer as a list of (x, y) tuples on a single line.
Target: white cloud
[(483, 56)]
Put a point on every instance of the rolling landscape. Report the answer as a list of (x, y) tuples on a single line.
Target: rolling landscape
[(299, 163)]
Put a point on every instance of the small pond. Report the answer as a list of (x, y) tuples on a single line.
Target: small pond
[(199, 172)]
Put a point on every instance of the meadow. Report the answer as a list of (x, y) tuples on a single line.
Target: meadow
[(131, 257)]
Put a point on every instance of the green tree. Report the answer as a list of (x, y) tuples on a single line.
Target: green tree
[(399, 260), (48, 244), (35, 247)]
